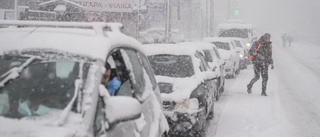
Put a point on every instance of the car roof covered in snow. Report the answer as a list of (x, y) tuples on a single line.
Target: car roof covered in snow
[(217, 39), (235, 26), (94, 42), (200, 45), (174, 49)]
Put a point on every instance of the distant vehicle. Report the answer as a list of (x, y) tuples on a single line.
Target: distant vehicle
[(50, 82), (187, 87), (216, 64), (238, 29), (228, 52)]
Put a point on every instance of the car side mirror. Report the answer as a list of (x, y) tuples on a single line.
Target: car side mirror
[(119, 108)]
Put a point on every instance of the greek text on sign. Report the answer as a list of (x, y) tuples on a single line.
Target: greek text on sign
[(107, 5)]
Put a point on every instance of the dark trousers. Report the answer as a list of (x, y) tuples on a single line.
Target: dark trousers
[(260, 69)]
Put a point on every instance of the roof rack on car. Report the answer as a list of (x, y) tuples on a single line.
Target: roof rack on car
[(98, 27)]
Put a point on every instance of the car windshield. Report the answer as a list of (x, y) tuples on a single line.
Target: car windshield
[(172, 65), (41, 87), (238, 33), (222, 45), (7, 63)]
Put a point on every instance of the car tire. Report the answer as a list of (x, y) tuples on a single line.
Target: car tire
[(203, 131), (165, 134)]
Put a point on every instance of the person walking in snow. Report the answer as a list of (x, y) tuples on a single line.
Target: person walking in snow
[(261, 52), (284, 38), (290, 39)]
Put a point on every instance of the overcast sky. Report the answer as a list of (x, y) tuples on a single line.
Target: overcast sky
[(282, 15)]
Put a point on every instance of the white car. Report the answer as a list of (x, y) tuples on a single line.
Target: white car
[(243, 52), (216, 64), (187, 87), (228, 52), (50, 82)]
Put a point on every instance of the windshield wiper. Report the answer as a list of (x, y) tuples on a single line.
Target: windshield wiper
[(14, 72)]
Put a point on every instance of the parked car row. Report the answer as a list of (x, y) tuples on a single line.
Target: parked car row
[(51, 78)]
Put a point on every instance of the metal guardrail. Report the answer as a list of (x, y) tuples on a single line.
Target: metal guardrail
[(98, 27)]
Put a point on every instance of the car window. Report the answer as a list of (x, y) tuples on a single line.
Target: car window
[(179, 66), (99, 118), (207, 56), (148, 69), (214, 54), (203, 64), (120, 70), (238, 44), (45, 86), (138, 79), (239, 33), (222, 45)]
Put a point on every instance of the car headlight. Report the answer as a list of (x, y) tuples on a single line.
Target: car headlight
[(248, 44), (241, 56), (192, 103)]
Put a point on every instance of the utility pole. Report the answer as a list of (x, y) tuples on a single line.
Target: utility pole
[(16, 14), (138, 22), (168, 22)]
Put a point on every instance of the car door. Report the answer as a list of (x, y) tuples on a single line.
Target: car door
[(141, 89), (217, 58), (210, 83), (133, 80)]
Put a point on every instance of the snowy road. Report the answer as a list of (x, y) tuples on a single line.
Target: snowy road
[(292, 108)]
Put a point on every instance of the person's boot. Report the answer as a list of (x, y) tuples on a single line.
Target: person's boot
[(249, 89), (263, 93)]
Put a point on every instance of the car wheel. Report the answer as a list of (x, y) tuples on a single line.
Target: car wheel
[(202, 132), (165, 134)]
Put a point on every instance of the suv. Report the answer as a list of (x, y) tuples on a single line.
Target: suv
[(50, 82)]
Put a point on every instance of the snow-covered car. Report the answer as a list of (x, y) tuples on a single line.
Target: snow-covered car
[(240, 46), (50, 82), (228, 52), (216, 64), (238, 29), (187, 87)]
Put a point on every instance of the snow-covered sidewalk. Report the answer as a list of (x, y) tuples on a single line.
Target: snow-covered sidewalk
[(292, 108)]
